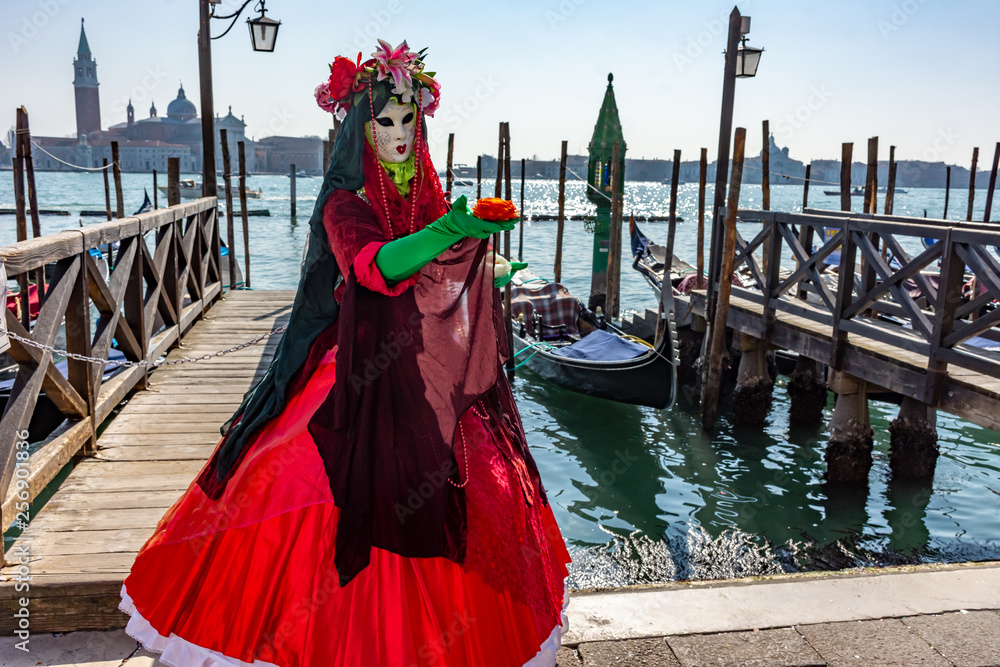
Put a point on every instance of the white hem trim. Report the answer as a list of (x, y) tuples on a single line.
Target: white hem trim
[(178, 652)]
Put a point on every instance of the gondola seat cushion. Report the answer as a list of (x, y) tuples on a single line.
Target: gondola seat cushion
[(551, 301), (600, 345)]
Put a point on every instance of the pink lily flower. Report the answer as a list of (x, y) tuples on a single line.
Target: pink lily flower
[(394, 62)]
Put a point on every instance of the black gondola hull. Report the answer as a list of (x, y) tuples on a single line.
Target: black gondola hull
[(649, 379)]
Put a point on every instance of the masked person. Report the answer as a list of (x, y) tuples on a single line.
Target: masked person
[(373, 501)]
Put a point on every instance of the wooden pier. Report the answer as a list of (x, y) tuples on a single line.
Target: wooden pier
[(83, 541), (95, 488), (904, 322)]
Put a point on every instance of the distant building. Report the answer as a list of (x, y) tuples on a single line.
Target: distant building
[(144, 143), (5, 156), (88, 99), (276, 154)]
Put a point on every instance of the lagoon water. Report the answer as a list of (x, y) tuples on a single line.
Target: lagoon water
[(645, 495)]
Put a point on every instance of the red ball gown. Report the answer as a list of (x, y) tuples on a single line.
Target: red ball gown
[(247, 575)]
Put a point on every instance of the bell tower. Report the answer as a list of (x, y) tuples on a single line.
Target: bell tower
[(88, 99)]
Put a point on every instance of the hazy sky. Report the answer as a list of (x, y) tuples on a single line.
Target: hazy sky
[(921, 74)]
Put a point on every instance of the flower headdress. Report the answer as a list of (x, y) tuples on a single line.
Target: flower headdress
[(351, 81)]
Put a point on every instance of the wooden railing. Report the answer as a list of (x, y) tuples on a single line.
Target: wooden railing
[(150, 299), (873, 302)]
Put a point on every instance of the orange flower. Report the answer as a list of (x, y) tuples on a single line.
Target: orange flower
[(494, 209)]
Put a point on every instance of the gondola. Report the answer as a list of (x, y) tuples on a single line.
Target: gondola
[(564, 342), (649, 260)]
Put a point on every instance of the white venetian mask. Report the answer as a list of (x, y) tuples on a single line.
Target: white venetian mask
[(395, 130)]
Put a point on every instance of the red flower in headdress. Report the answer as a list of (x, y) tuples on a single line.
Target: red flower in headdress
[(342, 73)]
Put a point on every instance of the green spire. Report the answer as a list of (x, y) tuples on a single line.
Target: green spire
[(84, 48), (608, 129)]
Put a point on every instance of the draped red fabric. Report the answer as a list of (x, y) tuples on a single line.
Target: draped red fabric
[(251, 574), (408, 367)]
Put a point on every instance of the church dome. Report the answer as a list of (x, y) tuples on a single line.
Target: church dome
[(182, 108)]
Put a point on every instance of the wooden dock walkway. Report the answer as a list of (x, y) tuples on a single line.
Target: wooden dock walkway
[(84, 539)]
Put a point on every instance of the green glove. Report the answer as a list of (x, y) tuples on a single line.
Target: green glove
[(398, 260), (514, 268)]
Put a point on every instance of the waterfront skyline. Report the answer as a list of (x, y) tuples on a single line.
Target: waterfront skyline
[(920, 75)]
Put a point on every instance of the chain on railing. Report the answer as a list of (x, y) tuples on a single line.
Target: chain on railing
[(155, 364)]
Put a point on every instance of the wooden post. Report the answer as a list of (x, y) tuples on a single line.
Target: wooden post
[(499, 182), (227, 184), (508, 195), (22, 233), (806, 234), (614, 245), (947, 191), (713, 380), (327, 154), (805, 188), (561, 218), (450, 174), (498, 186), (871, 178), (702, 178), (520, 226), (243, 214), (291, 188), (116, 166), (156, 193), (479, 177), (846, 150), (722, 162), (890, 190), (173, 181), (993, 183), (107, 190), (208, 180), (972, 182), (765, 166), (675, 177), (24, 139)]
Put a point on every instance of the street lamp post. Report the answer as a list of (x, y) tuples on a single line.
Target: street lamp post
[(208, 182), (741, 62), (263, 35)]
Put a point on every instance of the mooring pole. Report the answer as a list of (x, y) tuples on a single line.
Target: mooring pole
[(520, 230), (230, 231), (450, 176), (993, 183), (156, 193), (846, 149), (116, 166), (244, 214), (561, 218), (173, 181), (479, 177), (107, 191), (972, 182), (765, 166), (668, 268), (947, 192), (508, 195), (713, 381), (702, 178), (805, 188)]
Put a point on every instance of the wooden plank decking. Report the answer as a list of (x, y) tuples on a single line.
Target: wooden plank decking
[(83, 541)]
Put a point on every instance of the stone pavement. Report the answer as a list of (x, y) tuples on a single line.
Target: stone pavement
[(926, 615), (961, 639)]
